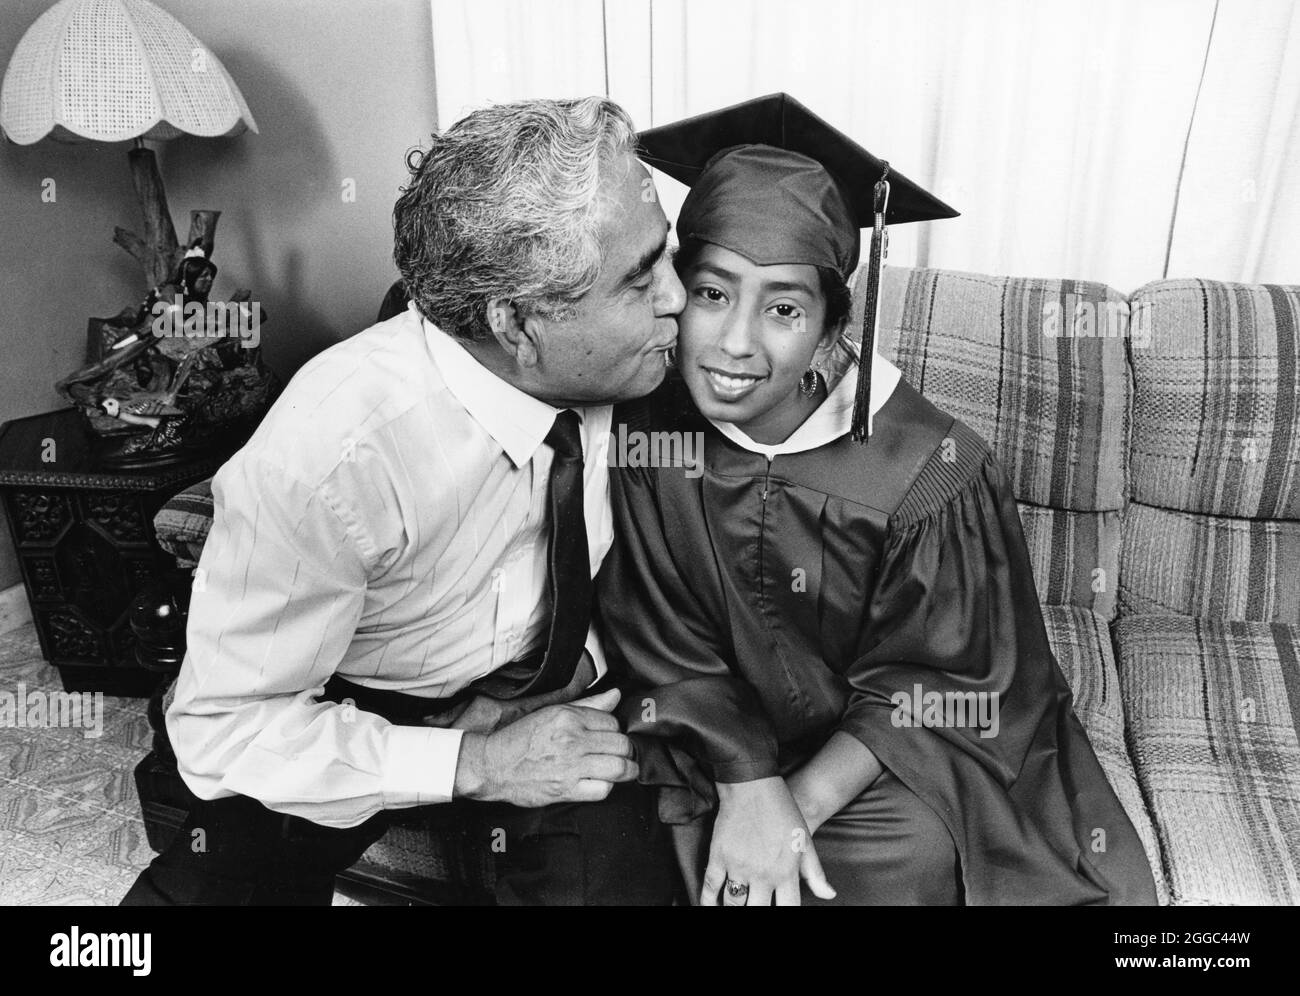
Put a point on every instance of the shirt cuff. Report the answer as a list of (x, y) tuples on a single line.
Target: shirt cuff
[(419, 765), (597, 651)]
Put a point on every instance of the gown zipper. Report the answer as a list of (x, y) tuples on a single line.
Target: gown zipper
[(762, 534)]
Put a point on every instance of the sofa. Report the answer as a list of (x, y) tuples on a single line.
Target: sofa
[(1153, 442)]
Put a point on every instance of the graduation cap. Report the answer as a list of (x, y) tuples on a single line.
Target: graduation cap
[(774, 182)]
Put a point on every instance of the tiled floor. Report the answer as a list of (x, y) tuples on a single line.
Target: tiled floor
[(70, 826)]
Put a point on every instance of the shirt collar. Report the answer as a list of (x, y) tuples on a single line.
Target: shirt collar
[(834, 416), (518, 422)]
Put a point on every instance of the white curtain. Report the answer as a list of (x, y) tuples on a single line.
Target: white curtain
[(1239, 202), (1105, 140)]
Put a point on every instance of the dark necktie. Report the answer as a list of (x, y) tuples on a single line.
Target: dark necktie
[(570, 574)]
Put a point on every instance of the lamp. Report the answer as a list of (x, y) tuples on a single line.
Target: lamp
[(119, 70)]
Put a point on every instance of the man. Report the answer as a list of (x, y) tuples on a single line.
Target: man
[(394, 605)]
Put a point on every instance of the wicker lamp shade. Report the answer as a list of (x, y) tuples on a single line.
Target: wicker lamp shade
[(113, 70)]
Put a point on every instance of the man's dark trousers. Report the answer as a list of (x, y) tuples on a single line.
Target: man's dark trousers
[(613, 852)]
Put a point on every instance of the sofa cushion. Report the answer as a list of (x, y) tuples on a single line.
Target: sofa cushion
[(182, 524), (1007, 357), (1080, 639), (1216, 407), (1177, 563), (1212, 710), (1074, 556)]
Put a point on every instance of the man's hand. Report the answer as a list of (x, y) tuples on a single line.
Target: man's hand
[(560, 753), (760, 840)]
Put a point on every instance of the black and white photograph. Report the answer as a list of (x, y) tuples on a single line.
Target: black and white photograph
[(650, 453)]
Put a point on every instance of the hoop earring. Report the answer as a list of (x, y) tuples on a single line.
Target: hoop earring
[(808, 383)]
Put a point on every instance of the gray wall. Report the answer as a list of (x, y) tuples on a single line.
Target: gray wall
[(338, 89)]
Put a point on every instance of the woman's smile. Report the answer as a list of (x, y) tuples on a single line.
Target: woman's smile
[(728, 386)]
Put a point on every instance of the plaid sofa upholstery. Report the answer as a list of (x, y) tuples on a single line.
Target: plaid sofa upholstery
[(182, 524), (1210, 566), (1212, 707), (1209, 591), (1216, 411), (1052, 403)]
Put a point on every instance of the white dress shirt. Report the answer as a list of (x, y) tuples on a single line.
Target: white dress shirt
[(388, 521)]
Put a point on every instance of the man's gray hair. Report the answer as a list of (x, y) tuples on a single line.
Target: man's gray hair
[(505, 204)]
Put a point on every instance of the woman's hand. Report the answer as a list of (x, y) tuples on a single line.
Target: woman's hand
[(804, 790), (835, 776), (760, 840)]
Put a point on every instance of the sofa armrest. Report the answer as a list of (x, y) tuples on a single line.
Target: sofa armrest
[(183, 523)]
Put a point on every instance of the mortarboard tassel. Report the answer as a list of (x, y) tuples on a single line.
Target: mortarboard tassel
[(871, 310)]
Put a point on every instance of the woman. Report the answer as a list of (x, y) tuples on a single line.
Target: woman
[(839, 667)]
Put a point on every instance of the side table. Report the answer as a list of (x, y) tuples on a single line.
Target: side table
[(83, 532)]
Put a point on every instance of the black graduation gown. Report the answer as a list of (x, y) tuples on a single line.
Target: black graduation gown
[(757, 607)]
